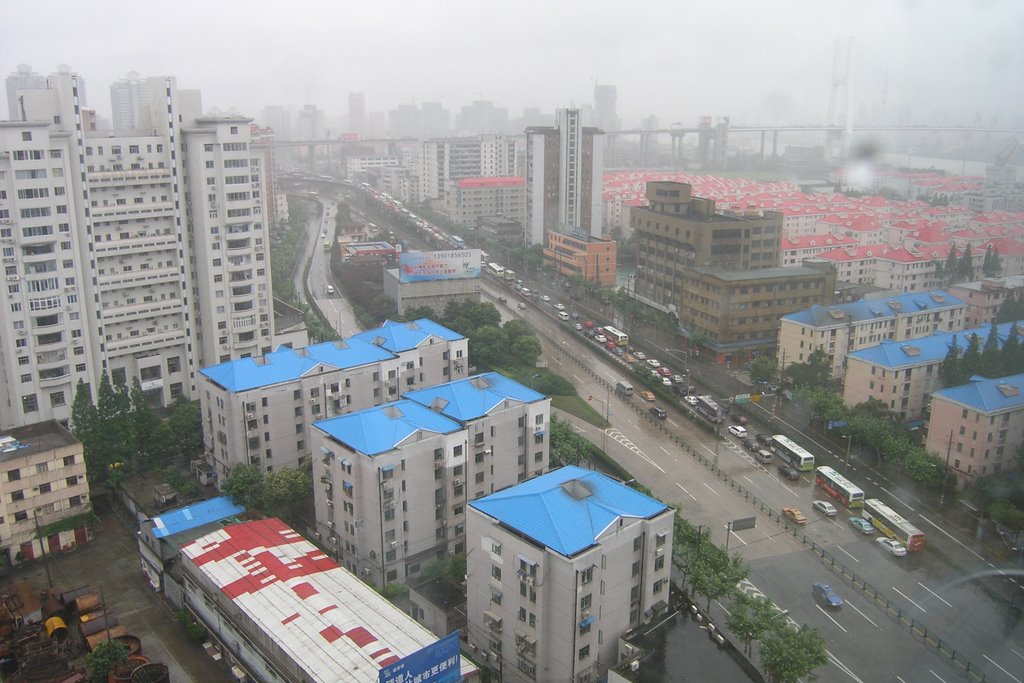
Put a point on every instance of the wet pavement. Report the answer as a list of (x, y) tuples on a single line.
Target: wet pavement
[(110, 563)]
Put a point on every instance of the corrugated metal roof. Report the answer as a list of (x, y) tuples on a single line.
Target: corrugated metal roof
[(382, 428), (988, 395), (923, 350), (473, 397), (404, 336), (365, 348), (567, 509), (195, 515), (858, 311), (334, 626)]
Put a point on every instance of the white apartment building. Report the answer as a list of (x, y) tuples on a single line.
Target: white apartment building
[(259, 410), (444, 160), (558, 569), (129, 101), (844, 328), (392, 483), (42, 481), (471, 198), (139, 253)]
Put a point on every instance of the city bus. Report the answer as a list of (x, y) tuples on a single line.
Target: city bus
[(886, 520), (327, 244), (617, 336), (708, 409), (496, 270), (792, 453), (839, 487)]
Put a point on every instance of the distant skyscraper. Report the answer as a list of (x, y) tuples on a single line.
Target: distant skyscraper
[(605, 116), (311, 123), (482, 117), (129, 97), (564, 168), (419, 121), (278, 119), (357, 112), (22, 79)]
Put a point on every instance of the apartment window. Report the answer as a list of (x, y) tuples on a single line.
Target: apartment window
[(496, 572), (586, 601), (29, 402), (45, 487), (20, 516), (42, 468), (584, 652), (17, 495), (71, 481), (69, 460)]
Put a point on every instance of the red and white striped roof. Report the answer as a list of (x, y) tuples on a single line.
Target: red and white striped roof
[(334, 626)]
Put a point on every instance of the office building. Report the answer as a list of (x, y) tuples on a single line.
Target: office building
[(277, 119), (564, 169), (391, 483), (605, 115), (840, 329), (559, 568), (482, 117), (44, 496), (977, 427), (445, 160), (259, 410), (129, 101), (142, 254), (734, 315), (591, 258), (281, 610), (310, 125), (357, 113), (24, 78)]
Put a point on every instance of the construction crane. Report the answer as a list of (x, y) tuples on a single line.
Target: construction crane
[(1003, 157)]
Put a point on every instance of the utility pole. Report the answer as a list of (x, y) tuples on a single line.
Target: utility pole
[(42, 545), (945, 472)]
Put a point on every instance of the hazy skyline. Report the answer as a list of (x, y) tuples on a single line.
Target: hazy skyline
[(753, 61)]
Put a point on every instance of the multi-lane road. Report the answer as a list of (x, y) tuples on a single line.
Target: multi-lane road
[(913, 619)]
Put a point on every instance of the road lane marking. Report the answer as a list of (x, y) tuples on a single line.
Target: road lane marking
[(850, 605), (577, 379), (839, 547), (686, 492), (673, 424), (897, 498), (1002, 669), (830, 617), (933, 593), (937, 676), (749, 479), (664, 451), (951, 538), (842, 667), (709, 488), (740, 538), (909, 600), (1016, 653)]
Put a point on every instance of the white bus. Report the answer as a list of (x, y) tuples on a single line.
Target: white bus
[(839, 487), (495, 270), (708, 409), (617, 336), (893, 525), (792, 453)]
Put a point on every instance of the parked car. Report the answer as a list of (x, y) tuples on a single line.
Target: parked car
[(600, 338), (664, 372), (578, 327), (545, 298), (763, 439), (588, 324), (502, 300), (678, 379), (692, 400), (647, 395), (666, 382), (738, 419), (640, 355), (657, 412), (893, 547), (788, 472), (763, 456), (824, 507), (794, 515), (559, 307), (736, 430), (823, 593), (654, 362), (521, 305), (862, 525), (610, 345)]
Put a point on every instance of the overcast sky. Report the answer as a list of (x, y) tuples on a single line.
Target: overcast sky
[(757, 61)]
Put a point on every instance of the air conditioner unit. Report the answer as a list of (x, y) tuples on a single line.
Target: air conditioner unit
[(394, 544), (317, 534), (457, 482), (332, 524), (250, 416), (585, 614), (488, 451), (332, 539), (530, 579), (330, 503), (659, 551)]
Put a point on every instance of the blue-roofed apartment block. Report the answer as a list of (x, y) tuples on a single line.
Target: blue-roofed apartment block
[(258, 410), (391, 483), (160, 539), (903, 374), (561, 566), (979, 425), (841, 329)]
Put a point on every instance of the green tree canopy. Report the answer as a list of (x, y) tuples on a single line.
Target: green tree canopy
[(764, 369), (788, 654), (525, 350), (186, 427), (245, 485), (814, 373), (286, 490), (950, 370)]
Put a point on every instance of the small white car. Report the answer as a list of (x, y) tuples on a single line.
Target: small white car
[(654, 362), (559, 307), (639, 355), (545, 298), (893, 547), (692, 400), (824, 507), (600, 338), (736, 430)]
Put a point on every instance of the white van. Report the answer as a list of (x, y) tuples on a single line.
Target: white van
[(563, 316)]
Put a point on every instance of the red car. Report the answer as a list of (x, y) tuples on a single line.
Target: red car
[(610, 344), (588, 325), (664, 372)]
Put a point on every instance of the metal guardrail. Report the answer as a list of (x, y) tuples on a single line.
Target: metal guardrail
[(892, 609)]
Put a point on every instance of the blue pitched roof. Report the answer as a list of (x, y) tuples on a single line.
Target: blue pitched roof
[(401, 336), (285, 364), (567, 509), (988, 395), (473, 397), (195, 515), (923, 350), (383, 428), (856, 311)]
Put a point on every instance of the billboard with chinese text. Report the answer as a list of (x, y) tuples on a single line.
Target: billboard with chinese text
[(416, 266)]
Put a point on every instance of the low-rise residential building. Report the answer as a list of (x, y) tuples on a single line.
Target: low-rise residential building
[(282, 610), (391, 483), (984, 297), (978, 426), (591, 258), (902, 374), (842, 328), (735, 314), (559, 568), (796, 249), (44, 496), (258, 410), (468, 199)]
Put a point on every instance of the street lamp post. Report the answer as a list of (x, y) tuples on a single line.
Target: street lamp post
[(534, 379), (945, 472), (849, 439)]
